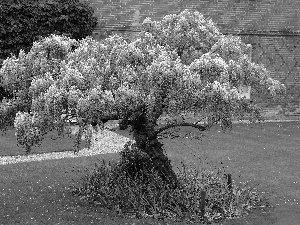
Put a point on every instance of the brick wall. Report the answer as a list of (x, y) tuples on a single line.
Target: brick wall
[(280, 54), (228, 14)]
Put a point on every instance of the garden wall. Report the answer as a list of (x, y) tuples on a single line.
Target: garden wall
[(271, 26), (280, 54)]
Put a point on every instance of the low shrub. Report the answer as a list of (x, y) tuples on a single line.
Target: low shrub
[(146, 195)]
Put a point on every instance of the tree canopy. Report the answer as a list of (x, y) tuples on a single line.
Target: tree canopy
[(180, 64)]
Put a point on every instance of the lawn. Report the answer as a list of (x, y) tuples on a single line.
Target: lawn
[(37, 192), (51, 143)]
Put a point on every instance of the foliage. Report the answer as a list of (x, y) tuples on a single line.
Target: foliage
[(189, 34), (27, 131), (43, 58), (23, 22), (134, 162), (110, 186), (7, 114), (31, 76), (181, 64)]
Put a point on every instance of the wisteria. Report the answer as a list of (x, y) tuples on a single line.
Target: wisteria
[(182, 63)]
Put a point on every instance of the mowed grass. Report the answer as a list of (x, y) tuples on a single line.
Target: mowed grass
[(268, 157), (51, 143)]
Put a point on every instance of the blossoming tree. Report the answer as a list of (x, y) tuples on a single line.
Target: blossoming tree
[(181, 64)]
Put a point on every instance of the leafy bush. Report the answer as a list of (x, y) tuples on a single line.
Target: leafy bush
[(147, 195), (134, 162)]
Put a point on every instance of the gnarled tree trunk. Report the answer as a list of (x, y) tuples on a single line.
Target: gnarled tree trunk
[(124, 122), (143, 133)]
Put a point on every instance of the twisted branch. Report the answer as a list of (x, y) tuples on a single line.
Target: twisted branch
[(183, 124), (200, 127)]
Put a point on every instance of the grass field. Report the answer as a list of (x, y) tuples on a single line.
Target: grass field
[(51, 143), (37, 192)]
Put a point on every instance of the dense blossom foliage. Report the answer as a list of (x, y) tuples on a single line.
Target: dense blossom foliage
[(182, 63), (185, 33), (28, 132)]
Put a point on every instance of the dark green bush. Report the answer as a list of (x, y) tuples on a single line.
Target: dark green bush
[(146, 195), (134, 162), (23, 22)]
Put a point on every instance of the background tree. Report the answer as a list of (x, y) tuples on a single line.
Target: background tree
[(23, 22), (179, 65)]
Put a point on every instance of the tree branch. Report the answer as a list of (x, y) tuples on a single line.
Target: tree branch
[(200, 119), (67, 117), (182, 124)]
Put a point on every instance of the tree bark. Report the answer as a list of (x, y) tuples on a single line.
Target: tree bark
[(146, 140), (124, 122), (27, 149)]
